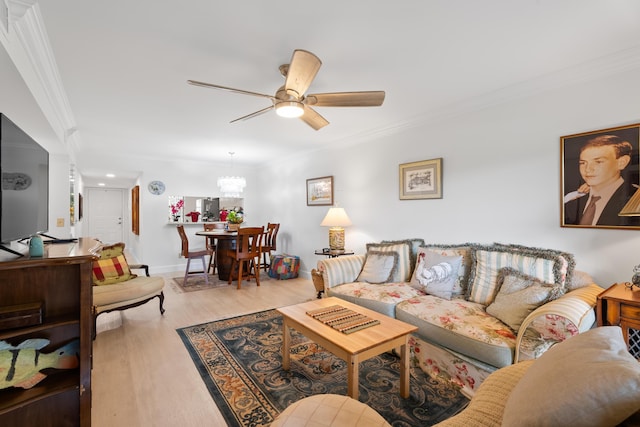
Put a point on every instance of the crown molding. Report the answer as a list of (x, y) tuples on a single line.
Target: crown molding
[(27, 43), (612, 64)]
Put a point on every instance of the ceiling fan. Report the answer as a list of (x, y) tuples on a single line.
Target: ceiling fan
[(290, 100)]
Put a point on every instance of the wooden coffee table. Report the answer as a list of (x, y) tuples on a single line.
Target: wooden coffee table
[(354, 347)]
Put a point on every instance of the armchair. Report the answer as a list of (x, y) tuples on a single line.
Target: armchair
[(116, 288)]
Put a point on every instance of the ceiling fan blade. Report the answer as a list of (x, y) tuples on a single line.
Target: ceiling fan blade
[(346, 99), (252, 115), (229, 89), (302, 70), (313, 119)]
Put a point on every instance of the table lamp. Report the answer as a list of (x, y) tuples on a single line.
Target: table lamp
[(632, 208), (336, 219)]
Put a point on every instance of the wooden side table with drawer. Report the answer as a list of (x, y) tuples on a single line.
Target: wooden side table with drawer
[(620, 306)]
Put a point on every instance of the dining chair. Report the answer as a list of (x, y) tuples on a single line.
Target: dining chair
[(189, 255), (269, 244), (248, 249), (211, 246)]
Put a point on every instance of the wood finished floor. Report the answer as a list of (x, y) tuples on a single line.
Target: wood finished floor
[(142, 374)]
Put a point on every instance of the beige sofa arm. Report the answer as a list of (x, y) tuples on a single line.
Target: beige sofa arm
[(557, 320), (339, 270)]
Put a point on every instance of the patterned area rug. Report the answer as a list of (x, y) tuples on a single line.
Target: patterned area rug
[(240, 361), (196, 282)]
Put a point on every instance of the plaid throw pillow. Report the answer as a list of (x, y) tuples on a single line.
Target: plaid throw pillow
[(111, 270)]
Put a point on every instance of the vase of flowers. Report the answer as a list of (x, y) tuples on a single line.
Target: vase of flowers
[(175, 209), (234, 219)]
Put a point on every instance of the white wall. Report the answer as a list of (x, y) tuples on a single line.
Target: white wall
[(501, 180), (501, 176)]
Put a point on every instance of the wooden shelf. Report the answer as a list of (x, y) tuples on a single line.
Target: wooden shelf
[(59, 382), (61, 282)]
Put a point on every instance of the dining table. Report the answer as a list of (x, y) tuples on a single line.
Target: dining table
[(223, 240)]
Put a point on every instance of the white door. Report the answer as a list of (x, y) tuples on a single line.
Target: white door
[(105, 214)]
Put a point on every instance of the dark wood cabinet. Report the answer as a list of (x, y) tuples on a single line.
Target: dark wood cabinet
[(60, 283), (620, 306)]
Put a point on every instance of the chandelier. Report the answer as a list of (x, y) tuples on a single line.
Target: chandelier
[(231, 186)]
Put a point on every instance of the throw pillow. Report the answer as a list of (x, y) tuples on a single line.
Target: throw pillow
[(415, 243), (112, 266), (436, 274), (110, 251), (587, 380), (518, 296), (464, 250), (489, 261), (403, 272), (379, 267)]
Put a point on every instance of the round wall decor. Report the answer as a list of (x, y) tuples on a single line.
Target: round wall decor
[(156, 187)]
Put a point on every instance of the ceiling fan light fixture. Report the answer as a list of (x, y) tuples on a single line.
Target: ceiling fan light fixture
[(289, 109)]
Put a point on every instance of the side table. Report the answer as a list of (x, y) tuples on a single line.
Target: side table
[(620, 306), (332, 253)]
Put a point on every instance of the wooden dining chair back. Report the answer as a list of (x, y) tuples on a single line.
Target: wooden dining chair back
[(269, 244), (247, 254), (189, 255), (211, 246)]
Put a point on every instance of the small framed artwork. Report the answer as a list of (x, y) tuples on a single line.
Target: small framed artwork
[(599, 177), (135, 210), (320, 191), (421, 180)]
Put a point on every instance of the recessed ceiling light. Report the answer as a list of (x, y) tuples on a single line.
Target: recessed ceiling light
[(110, 175), (101, 184)]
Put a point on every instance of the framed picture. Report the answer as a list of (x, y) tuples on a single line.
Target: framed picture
[(320, 191), (135, 210), (599, 174), (421, 180)]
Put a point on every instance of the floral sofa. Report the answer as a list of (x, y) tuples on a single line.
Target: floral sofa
[(477, 307)]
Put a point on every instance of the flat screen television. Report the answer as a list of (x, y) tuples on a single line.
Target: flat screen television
[(24, 201)]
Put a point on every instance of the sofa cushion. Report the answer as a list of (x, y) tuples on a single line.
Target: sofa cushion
[(464, 250), (462, 326), (436, 274), (415, 244), (588, 380), (130, 291), (379, 267), (380, 298), (403, 272), (519, 295), (546, 265)]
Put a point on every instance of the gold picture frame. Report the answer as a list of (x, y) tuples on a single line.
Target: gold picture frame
[(421, 180), (320, 191), (615, 149)]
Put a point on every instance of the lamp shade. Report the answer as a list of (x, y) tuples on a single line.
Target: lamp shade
[(632, 208), (336, 217)]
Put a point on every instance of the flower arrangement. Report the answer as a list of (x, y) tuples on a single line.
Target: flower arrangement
[(175, 209), (177, 206), (235, 218)]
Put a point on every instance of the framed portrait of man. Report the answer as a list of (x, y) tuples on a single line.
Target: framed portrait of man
[(600, 173)]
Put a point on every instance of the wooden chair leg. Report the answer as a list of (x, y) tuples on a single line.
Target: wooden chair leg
[(240, 273), (186, 272), (205, 270), (233, 267), (256, 270)]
